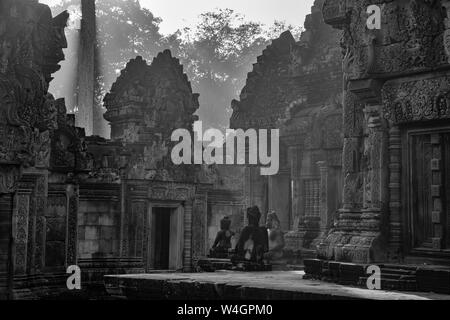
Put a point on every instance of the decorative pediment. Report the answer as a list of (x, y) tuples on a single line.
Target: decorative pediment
[(129, 86), (150, 99), (289, 71)]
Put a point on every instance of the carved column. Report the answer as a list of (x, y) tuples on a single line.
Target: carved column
[(247, 192), (351, 166), (200, 243), (40, 198), (375, 153), (296, 161), (324, 218), (72, 224), (294, 238), (187, 258), (374, 164), (20, 228), (395, 220), (437, 194)]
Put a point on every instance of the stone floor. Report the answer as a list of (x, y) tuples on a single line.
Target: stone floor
[(243, 285)]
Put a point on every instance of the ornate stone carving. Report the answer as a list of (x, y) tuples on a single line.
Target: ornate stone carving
[(172, 191), (72, 225), (31, 48), (21, 240), (145, 105), (417, 100)]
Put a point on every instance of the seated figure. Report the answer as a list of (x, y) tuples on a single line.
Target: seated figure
[(222, 244), (276, 239), (252, 244)]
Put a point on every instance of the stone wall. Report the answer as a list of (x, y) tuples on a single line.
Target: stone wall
[(395, 88)]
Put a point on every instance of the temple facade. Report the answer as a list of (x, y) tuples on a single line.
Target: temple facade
[(108, 206), (296, 87), (138, 211), (364, 156), (395, 157)]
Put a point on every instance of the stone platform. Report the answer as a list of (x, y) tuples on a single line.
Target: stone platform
[(422, 278), (286, 285)]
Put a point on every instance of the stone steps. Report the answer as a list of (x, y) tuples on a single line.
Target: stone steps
[(393, 277)]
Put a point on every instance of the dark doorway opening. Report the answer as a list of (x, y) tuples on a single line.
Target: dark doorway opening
[(162, 238), (429, 182)]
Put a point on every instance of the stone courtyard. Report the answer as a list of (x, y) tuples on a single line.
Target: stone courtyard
[(264, 286), (364, 178)]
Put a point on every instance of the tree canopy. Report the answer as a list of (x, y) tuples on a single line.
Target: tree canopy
[(217, 52)]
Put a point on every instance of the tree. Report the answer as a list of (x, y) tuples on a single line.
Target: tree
[(124, 30), (217, 53)]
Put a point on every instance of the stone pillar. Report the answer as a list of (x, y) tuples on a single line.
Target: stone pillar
[(279, 198), (375, 155), (187, 258), (350, 212), (40, 205), (247, 193), (324, 214), (20, 229), (395, 204), (200, 243), (73, 198), (437, 194), (294, 238), (296, 162), (124, 159)]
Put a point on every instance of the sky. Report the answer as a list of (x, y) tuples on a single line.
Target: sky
[(181, 13)]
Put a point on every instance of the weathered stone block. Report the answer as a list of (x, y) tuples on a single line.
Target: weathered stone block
[(91, 233)]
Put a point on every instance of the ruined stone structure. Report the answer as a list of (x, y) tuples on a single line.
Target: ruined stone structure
[(138, 211), (297, 87), (396, 147), (38, 197), (108, 206), (134, 193)]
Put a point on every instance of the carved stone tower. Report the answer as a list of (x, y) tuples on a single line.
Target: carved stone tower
[(146, 104)]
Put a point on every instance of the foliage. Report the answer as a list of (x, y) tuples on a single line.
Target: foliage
[(217, 53)]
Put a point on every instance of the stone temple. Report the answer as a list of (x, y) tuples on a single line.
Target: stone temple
[(364, 173)]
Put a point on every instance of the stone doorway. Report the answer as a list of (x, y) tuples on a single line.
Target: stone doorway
[(166, 238), (161, 218), (428, 194)]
